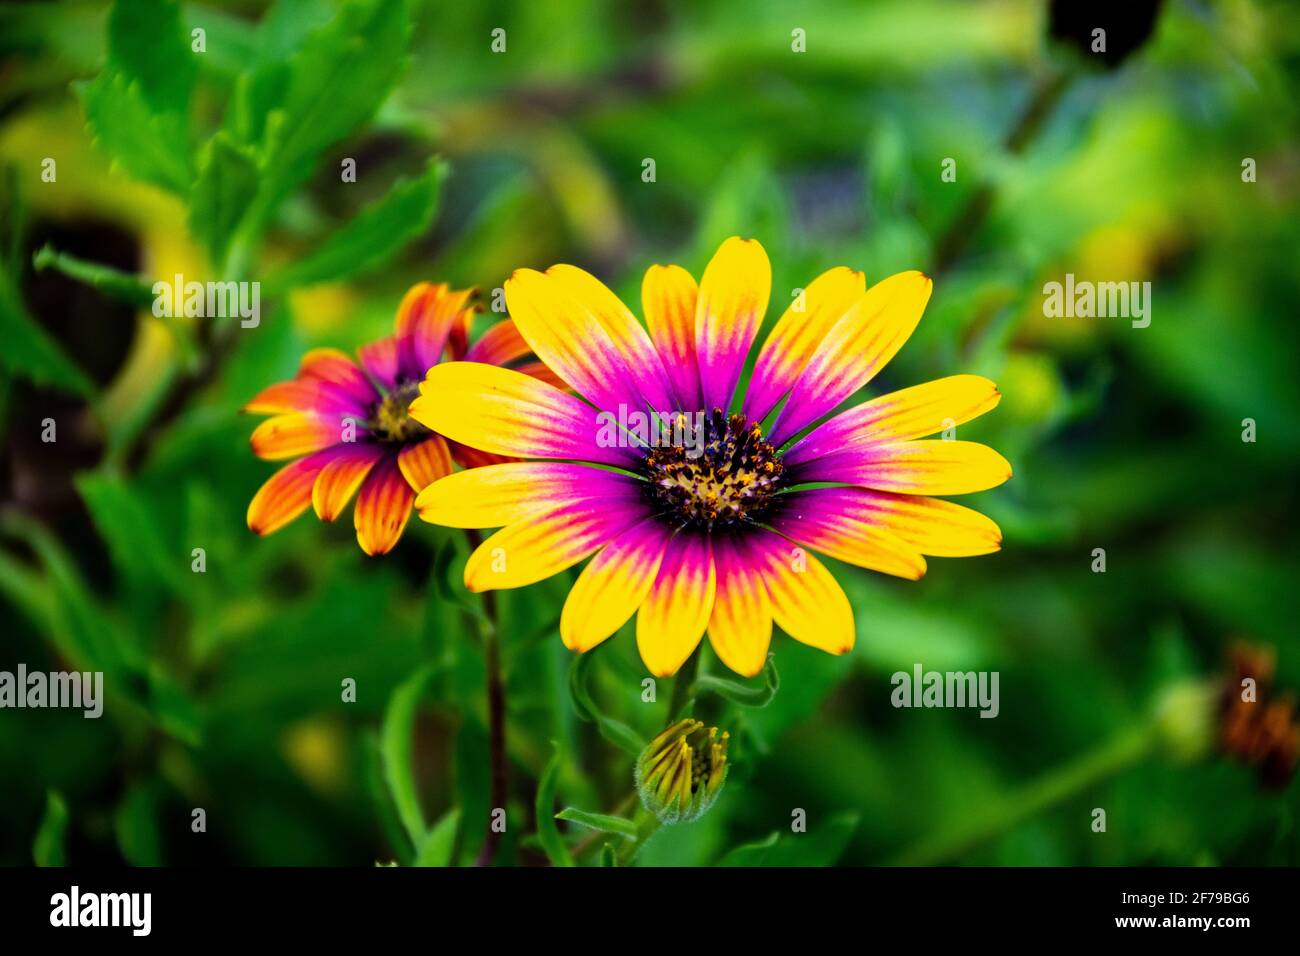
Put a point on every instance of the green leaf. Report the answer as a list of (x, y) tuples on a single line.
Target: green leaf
[(615, 731), (440, 842), (751, 854), (377, 233), (130, 529), (48, 849), (13, 221), (395, 748), (256, 93), (133, 289), (149, 146), (444, 578), (225, 187), (607, 855), (136, 825), (743, 694), (557, 851), (473, 783), (599, 821), (338, 79), (29, 352), (822, 845), (148, 44)]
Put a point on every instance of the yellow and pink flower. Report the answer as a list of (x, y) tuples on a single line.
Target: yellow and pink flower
[(717, 541), (349, 423)]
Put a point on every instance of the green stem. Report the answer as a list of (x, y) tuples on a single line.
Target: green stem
[(646, 825), (683, 688), (132, 289), (1120, 753), (496, 710)]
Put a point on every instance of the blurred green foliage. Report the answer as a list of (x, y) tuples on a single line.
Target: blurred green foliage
[(224, 687)]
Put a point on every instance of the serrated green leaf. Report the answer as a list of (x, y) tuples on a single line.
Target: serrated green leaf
[(149, 146), (29, 352), (147, 42), (376, 234), (226, 185), (599, 821), (337, 81), (439, 842), (743, 694), (256, 93), (615, 731), (396, 751), (48, 849), (557, 851)]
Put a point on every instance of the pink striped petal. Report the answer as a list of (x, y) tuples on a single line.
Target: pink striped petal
[(732, 302), (564, 334), (501, 344), (854, 350), (381, 360), (337, 368), (425, 320), (832, 521), (910, 467), (677, 609), (900, 416), (625, 333), (668, 299), (383, 507), (505, 412), (794, 340)]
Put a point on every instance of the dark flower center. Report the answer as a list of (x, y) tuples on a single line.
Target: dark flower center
[(389, 419), (725, 477)]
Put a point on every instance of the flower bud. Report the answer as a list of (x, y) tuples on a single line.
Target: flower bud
[(681, 772)]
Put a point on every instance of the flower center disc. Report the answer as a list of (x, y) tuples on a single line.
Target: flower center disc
[(390, 421), (723, 478)]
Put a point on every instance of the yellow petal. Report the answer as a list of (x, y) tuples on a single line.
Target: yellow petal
[(732, 302), (505, 412), (794, 339), (857, 347), (613, 586), (929, 525), (625, 333), (668, 298), (807, 602), (564, 334), (740, 629), (928, 467), (541, 545), (676, 611), (846, 537), (901, 416), (493, 496)]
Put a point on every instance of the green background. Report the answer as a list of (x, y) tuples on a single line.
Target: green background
[(224, 687)]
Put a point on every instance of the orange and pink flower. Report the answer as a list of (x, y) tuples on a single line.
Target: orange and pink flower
[(347, 424)]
